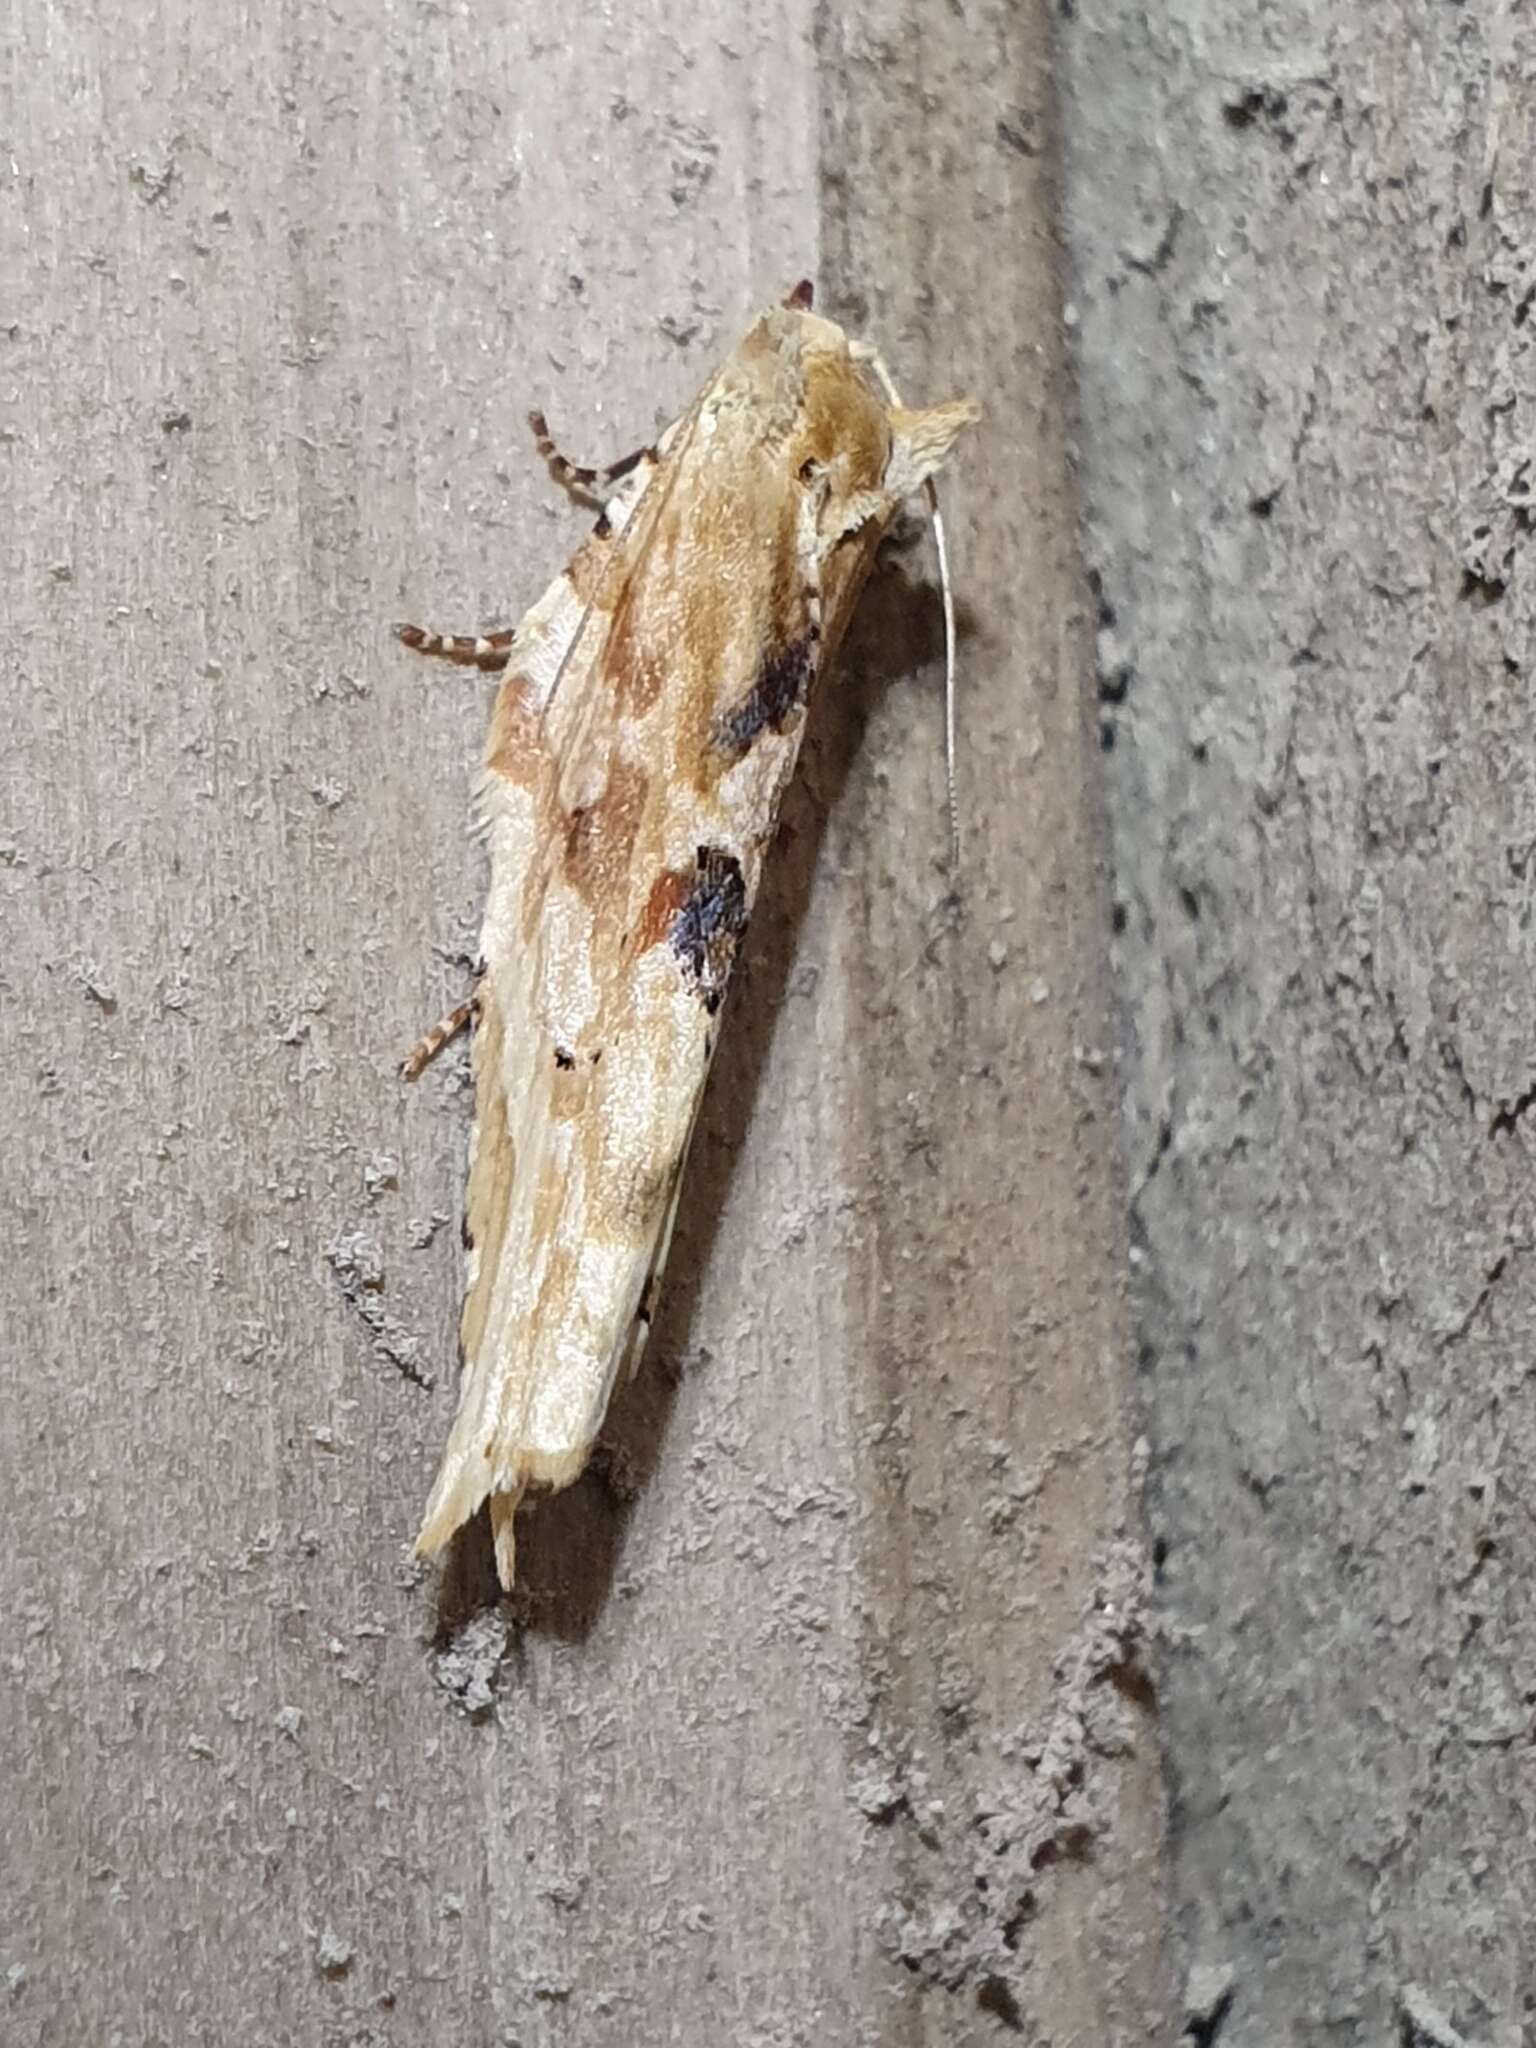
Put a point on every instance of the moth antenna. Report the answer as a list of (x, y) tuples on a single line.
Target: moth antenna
[(947, 595), (864, 352)]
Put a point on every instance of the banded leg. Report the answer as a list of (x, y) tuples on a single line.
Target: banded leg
[(490, 651), (431, 1043), (581, 482)]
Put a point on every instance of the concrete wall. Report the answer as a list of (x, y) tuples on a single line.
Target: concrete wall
[(1303, 262)]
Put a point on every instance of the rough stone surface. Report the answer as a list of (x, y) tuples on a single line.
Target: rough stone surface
[(1303, 261), (819, 1717)]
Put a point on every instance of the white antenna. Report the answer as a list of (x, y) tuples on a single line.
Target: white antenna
[(946, 592), (864, 352)]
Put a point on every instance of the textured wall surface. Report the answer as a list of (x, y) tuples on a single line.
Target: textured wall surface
[(1303, 264), (821, 1717)]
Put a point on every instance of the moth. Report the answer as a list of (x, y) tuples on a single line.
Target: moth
[(650, 714)]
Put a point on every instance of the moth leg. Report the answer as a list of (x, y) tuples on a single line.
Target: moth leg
[(431, 1043), (490, 651), (588, 484)]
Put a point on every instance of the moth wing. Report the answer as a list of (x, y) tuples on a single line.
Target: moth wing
[(591, 1045), (639, 752)]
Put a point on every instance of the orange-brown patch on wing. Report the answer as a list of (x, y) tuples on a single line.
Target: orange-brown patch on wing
[(600, 837), (669, 892), (787, 652), (514, 746), (635, 661), (701, 912), (710, 625), (754, 598)]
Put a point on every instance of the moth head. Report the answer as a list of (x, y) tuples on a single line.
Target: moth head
[(859, 456), (841, 443)]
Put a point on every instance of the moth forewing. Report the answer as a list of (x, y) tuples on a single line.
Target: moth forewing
[(650, 717)]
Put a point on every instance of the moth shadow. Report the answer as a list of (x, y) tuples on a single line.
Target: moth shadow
[(570, 1545)]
